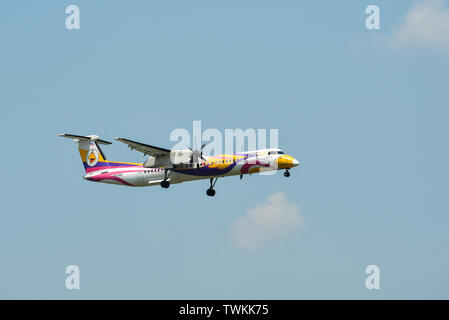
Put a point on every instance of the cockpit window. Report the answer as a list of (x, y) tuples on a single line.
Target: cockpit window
[(281, 152)]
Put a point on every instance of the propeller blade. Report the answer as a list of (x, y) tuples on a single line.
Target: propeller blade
[(197, 155)]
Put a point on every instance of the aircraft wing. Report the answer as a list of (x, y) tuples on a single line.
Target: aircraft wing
[(145, 148)]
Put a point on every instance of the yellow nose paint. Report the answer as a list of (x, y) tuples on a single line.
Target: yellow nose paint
[(284, 162)]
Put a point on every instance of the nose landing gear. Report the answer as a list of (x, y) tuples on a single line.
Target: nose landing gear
[(211, 192), (286, 174)]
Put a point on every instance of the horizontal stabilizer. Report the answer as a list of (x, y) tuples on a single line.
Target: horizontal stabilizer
[(90, 137)]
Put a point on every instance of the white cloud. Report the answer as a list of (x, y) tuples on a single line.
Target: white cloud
[(267, 222), (425, 25)]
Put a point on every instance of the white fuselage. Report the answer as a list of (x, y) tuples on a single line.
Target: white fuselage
[(212, 167)]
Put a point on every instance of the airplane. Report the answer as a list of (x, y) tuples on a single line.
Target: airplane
[(165, 167)]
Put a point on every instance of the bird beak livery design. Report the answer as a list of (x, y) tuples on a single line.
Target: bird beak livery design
[(92, 157), (161, 169)]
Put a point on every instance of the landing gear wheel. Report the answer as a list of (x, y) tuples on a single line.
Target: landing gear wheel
[(165, 184), (211, 192), (286, 174)]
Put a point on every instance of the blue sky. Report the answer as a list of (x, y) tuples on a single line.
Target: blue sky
[(365, 112)]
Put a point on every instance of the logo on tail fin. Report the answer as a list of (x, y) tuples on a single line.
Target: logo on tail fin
[(92, 157)]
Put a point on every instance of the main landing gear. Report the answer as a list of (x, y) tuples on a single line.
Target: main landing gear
[(211, 192), (164, 183), (286, 174)]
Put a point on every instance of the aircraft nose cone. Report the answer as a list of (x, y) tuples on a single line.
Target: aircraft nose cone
[(286, 162)]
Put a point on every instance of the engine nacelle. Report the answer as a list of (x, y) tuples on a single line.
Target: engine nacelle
[(180, 156)]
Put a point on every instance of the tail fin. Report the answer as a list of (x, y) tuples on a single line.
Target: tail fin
[(91, 154)]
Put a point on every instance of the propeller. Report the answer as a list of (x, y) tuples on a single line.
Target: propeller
[(197, 155)]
